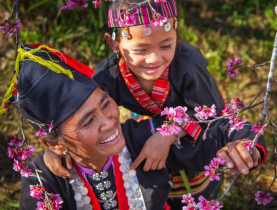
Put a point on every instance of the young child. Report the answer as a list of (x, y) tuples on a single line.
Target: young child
[(150, 69)]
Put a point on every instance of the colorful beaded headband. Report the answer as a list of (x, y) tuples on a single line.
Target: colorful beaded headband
[(143, 13)]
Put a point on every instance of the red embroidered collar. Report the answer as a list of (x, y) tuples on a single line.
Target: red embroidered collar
[(159, 93)]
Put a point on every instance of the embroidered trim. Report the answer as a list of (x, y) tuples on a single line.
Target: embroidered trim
[(158, 96), (198, 184)]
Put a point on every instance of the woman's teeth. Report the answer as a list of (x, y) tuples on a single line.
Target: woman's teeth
[(112, 137)]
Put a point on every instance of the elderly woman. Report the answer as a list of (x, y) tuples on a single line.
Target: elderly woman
[(86, 126)]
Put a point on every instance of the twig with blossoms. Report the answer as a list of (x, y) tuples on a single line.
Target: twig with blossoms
[(264, 115)]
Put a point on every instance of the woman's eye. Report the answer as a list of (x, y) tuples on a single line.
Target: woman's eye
[(106, 104), (88, 122)]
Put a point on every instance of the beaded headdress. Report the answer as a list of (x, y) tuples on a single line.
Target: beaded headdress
[(146, 12)]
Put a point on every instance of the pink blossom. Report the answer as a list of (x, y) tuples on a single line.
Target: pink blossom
[(17, 165), (57, 201), (211, 172), (263, 198), (187, 198), (11, 153), (158, 22), (166, 130), (258, 128), (232, 65), (206, 112), (213, 167), (5, 105), (227, 110), (96, 4), (41, 206), (169, 112), (25, 172), (212, 111), (37, 191), (26, 153), (72, 4), (41, 132), (248, 145), (238, 125), (9, 28), (208, 205), (16, 142), (180, 114), (217, 161), (276, 10), (50, 127), (237, 104), (158, 1)]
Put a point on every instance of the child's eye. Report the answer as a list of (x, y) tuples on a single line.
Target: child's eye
[(140, 50), (167, 46)]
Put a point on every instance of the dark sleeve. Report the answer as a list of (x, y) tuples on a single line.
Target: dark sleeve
[(196, 156), (191, 83), (53, 184), (154, 183)]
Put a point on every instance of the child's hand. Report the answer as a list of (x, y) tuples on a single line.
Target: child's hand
[(54, 164), (155, 151), (237, 157)]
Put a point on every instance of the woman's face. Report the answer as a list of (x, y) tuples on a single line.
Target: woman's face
[(93, 132), (148, 56)]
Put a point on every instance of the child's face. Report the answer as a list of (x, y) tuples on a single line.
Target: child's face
[(148, 56)]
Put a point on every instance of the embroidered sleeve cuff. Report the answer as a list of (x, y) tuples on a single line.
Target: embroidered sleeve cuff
[(262, 153)]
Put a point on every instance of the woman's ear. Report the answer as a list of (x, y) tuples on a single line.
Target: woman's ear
[(53, 145), (111, 42)]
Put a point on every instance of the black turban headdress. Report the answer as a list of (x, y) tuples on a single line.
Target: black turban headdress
[(51, 86)]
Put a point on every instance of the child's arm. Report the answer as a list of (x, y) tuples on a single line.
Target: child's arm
[(155, 151), (237, 157), (54, 164)]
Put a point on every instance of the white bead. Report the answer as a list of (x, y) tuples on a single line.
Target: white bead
[(135, 186), (129, 193), (76, 188), (88, 207), (80, 203), (131, 202), (137, 194), (86, 200), (84, 191), (79, 181), (122, 168), (125, 177), (132, 173), (127, 185), (78, 196), (121, 159)]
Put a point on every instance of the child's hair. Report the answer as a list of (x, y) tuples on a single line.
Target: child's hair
[(125, 4)]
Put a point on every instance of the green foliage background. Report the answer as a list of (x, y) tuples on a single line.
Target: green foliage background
[(222, 29)]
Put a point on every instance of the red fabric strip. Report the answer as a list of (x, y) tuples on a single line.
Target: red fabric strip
[(120, 189), (73, 63), (264, 152)]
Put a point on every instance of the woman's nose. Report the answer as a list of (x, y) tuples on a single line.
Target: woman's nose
[(107, 121)]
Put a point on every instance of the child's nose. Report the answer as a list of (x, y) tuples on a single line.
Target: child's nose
[(153, 58)]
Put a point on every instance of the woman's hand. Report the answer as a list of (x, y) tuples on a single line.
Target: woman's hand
[(155, 151), (238, 158), (54, 164)]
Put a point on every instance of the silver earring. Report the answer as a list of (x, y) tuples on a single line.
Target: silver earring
[(66, 154), (167, 26)]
